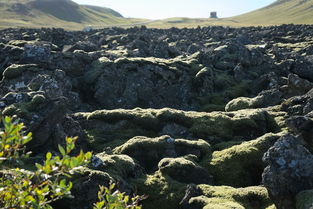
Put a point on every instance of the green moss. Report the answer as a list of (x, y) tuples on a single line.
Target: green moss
[(304, 200), (249, 197), (199, 147), (162, 191), (144, 118), (119, 165), (239, 104), (234, 125), (248, 103), (149, 151), (225, 145), (16, 70), (214, 203), (241, 165), (103, 139), (185, 170), (213, 126)]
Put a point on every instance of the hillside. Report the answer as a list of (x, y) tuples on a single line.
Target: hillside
[(280, 12), (57, 13)]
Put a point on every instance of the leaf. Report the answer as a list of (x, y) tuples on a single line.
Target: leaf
[(48, 155), (61, 149)]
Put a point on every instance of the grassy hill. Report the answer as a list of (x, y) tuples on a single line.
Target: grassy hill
[(57, 13), (280, 12)]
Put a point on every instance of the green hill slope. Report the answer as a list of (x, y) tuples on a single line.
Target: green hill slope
[(57, 13), (280, 12)]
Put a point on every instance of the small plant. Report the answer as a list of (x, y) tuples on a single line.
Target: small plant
[(116, 200), (21, 188)]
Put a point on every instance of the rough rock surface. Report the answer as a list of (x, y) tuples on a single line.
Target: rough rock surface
[(290, 170), (181, 115)]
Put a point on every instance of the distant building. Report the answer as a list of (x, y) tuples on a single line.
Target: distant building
[(213, 14)]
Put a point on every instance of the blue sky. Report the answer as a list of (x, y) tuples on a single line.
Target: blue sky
[(157, 9)]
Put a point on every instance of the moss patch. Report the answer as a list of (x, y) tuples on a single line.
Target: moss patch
[(162, 191), (227, 197), (16, 70), (214, 126), (149, 151), (241, 165), (184, 170), (118, 166)]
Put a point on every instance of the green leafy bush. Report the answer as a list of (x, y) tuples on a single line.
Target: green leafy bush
[(21, 188)]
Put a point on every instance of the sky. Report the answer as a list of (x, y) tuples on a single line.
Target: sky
[(159, 9)]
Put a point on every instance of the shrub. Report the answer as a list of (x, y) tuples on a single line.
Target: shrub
[(21, 188)]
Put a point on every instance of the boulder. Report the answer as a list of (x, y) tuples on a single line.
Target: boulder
[(289, 171), (184, 170)]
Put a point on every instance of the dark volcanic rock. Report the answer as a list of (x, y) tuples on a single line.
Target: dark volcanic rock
[(289, 171)]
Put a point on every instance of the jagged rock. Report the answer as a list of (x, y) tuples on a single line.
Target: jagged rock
[(299, 105), (289, 171), (296, 86)]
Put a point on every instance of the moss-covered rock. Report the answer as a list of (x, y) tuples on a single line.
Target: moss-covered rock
[(264, 99), (117, 165), (241, 165), (24, 109), (162, 191), (240, 103), (204, 202), (213, 127), (304, 200), (16, 70), (184, 170), (149, 151), (224, 197)]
